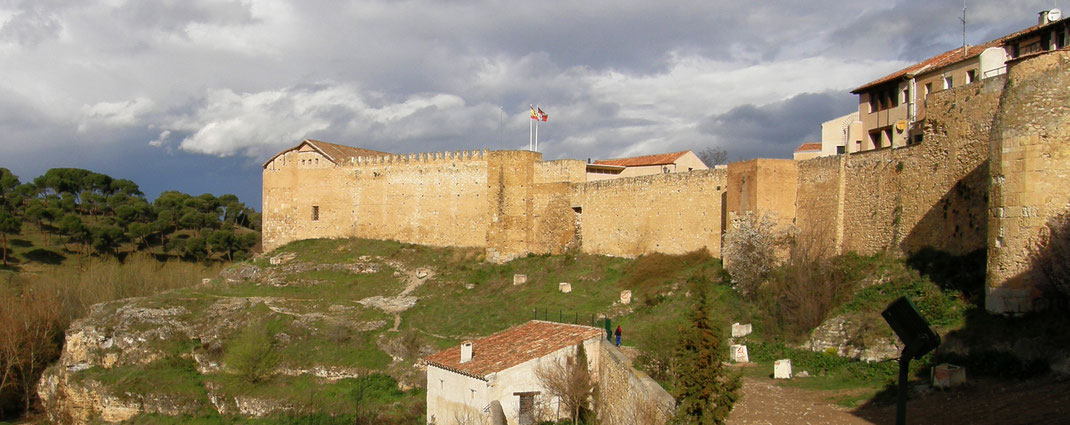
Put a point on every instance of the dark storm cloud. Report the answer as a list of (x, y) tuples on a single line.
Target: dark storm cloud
[(770, 130), (235, 81)]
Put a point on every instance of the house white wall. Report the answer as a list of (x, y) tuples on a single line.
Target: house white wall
[(451, 395)]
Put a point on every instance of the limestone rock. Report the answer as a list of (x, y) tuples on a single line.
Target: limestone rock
[(739, 354), (626, 297), (782, 369), (564, 287), (739, 331), (282, 258), (520, 279)]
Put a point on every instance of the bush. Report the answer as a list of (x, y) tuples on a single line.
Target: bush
[(252, 355), (750, 250)]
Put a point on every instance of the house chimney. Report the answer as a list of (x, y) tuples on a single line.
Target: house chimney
[(1043, 18), (466, 351)]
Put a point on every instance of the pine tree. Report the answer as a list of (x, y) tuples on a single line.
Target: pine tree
[(704, 392)]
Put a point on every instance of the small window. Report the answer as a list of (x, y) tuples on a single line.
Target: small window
[(918, 138), (905, 98), (315, 212), (928, 88), (840, 150), (971, 76), (948, 82), (872, 102)]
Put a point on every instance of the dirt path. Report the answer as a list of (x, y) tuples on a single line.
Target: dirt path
[(766, 403), (1039, 401)]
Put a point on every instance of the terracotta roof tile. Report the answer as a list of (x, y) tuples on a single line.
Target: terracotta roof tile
[(335, 152), (942, 60), (513, 346), (339, 153), (637, 161), (808, 147)]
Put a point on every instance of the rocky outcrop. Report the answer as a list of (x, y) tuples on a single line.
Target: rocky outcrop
[(118, 361), (853, 336)]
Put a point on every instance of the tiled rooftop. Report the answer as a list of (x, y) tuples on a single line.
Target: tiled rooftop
[(942, 60), (339, 153), (808, 147), (513, 346), (637, 161)]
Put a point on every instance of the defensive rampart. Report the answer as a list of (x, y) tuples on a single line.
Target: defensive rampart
[(991, 171), (1030, 181)]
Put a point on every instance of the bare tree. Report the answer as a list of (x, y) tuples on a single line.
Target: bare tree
[(570, 382), (751, 248), (713, 156)]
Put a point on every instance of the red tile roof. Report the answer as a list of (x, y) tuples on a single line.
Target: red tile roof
[(334, 152), (942, 60), (513, 346), (808, 147), (637, 161)]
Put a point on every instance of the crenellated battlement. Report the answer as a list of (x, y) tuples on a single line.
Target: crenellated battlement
[(418, 158)]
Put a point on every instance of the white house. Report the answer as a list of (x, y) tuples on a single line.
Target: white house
[(464, 380)]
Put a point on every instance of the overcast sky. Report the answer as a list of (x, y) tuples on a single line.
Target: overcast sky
[(194, 95)]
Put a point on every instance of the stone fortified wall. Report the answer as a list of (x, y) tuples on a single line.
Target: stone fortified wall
[(1030, 175), (510, 203), (936, 194), (628, 396), (667, 213)]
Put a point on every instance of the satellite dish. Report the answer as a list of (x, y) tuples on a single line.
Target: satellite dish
[(1054, 15)]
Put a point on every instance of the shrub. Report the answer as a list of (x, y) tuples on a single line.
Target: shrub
[(750, 250), (251, 355)]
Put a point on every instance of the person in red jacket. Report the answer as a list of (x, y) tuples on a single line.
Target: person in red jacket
[(617, 333)]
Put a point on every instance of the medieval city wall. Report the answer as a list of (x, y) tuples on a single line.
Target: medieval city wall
[(1030, 180), (626, 395), (437, 199), (929, 194), (820, 204), (763, 186), (670, 213)]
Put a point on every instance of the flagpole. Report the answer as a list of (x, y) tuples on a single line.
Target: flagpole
[(530, 127), (537, 134)]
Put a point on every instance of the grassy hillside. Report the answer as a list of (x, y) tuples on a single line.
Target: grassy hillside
[(336, 330)]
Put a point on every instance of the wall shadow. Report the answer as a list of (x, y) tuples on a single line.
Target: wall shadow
[(958, 222)]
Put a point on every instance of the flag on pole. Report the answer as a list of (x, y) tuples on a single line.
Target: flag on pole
[(543, 115), (534, 115)]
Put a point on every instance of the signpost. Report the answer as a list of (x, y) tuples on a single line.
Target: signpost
[(918, 340)]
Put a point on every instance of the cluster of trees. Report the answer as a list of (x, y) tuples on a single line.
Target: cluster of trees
[(95, 212)]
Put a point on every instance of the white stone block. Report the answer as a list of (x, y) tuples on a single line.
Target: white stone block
[(782, 369), (948, 375), (739, 330), (206, 281), (626, 297), (421, 273), (739, 354), (564, 287), (520, 279)]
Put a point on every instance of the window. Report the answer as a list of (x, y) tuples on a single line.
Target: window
[(875, 138), (887, 137), (840, 150), (315, 212), (918, 138), (971, 76), (948, 82), (905, 98), (928, 88), (872, 102)]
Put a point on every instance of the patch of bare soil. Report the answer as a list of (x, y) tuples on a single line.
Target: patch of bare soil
[(983, 401), (1042, 401), (764, 402)]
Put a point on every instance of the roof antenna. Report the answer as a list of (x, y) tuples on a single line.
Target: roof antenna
[(963, 19)]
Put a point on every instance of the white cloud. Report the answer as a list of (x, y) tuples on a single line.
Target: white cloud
[(114, 114)]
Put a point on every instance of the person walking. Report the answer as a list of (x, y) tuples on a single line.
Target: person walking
[(617, 333)]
